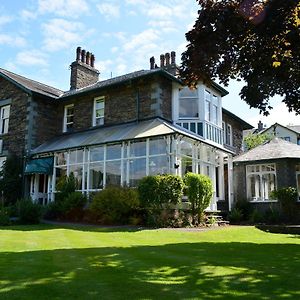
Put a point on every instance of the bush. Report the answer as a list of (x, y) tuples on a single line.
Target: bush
[(73, 205), (170, 189), (257, 217), (287, 198), (4, 217), (235, 216), (245, 207), (65, 186), (148, 191), (29, 212), (199, 189), (115, 205)]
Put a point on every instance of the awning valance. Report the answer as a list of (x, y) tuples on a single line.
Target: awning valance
[(40, 166)]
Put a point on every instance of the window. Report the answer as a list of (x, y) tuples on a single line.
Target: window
[(207, 106), (4, 119), (287, 138), (298, 180), (188, 103), (68, 118), (261, 181), (98, 118), (215, 114)]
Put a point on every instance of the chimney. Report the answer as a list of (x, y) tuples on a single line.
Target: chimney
[(260, 126), (83, 72), (167, 57), (152, 63), (162, 60)]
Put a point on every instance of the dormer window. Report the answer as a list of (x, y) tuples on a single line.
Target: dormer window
[(98, 117), (68, 118), (188, 103), (4, 119)]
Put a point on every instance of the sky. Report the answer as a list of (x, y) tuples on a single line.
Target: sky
[(38, 39)]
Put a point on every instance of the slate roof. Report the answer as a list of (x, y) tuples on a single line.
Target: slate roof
[(116, 133), (275, 149), (31, 85), (294, 127), (121, 79)]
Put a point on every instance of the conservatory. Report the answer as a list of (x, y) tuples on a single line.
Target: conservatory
[(123, 154)]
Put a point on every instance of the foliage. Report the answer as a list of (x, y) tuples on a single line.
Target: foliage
[(4, 216), (148, 190), (257, 217), (115, 205), (199, 191), (160, 191), (29, 212), (65, 186), (254, 40), (245, 207), (287, 198), (235, 216), (253, 140), (11, 180)]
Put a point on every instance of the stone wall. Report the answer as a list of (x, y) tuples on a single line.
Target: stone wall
[(139, 99), (14, 140), (237, 134)]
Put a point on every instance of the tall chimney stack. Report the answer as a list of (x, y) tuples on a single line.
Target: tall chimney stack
[(83, 72), (162, 60), (152, 62)]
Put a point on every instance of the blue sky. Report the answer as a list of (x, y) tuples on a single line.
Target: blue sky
[(38, 39)]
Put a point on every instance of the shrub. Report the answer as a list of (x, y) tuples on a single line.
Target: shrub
[(148, 191), (257, 217), (235, 216), (199, 189), (65, 186), (246, 208), (287, 198), (72, 206), (29, 212), (115, 205), (4, 217), (170, 189)]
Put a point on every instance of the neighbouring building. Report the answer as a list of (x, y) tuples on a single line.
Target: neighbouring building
[(119, 130), (273, 165)]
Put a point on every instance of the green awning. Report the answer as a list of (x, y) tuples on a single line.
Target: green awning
[(40, 166)]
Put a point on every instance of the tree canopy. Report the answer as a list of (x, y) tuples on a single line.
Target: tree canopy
[(254, 40)]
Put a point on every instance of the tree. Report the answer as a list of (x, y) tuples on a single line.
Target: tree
[(253, 140), (199, 189), (254, 40), (11, 180)]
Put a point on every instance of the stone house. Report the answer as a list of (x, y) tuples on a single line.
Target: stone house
[(115, 131), (273, 165)]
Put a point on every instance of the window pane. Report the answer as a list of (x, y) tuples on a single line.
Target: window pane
[(157, 146), (137, 149), (187, 92), (61, 158), (97, 154), (113, 152), (158, 165), (113, 172), (77, 171), (137, 170), (60, 174), (188, 107), (76, 156), (96, 176), (186, 165), (186, 148), (207, 110), (268, 184), (254, 187)]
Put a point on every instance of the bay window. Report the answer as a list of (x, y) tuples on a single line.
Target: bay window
[(188, 103)]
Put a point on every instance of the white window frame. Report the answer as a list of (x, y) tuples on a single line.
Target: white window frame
[(101, 118), (66, 115), (260, 173), (186, 98), (229, 136), (3, 119)]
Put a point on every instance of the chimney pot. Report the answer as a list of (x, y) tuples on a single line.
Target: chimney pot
[(83, 56), (92, 60), (162, 60), (260, 126), (167, 57), (152, 62), (173, 57), (88, 58), (78, 53)]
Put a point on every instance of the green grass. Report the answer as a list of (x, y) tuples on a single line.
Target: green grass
[(52, 262)]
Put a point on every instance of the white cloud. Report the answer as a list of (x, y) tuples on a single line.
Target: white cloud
[(31, 58), (114, 49), (145, 38), (279, 114), (64, 8), (164, 25), (27, 15), (5, 19), (109, 10), (60, 34), (10, 40)]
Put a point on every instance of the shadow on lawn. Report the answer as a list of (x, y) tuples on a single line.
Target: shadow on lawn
[(173, 271)]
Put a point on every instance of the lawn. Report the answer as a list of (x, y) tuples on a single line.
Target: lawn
[(52, 262)]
